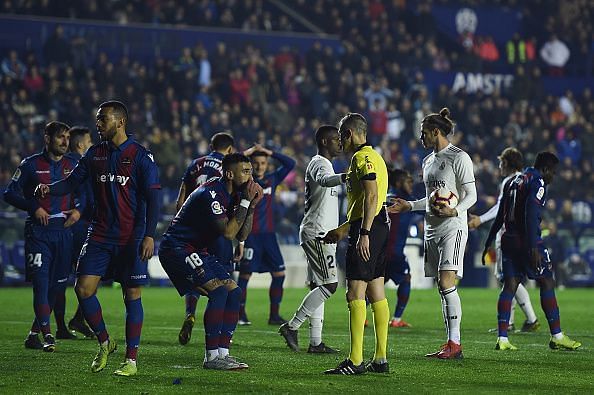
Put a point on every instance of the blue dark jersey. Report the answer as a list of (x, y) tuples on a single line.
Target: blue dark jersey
[(202, 170), (399, 225), (123, 180), (264, 213), (84, 194), (522, 201), (194, 224), (40, 169)]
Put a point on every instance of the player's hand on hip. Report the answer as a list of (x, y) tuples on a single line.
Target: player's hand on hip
[(42, 216), (363, 247), (147, 248), (398, 206), (474, 221), (41, 191), (73, 217)]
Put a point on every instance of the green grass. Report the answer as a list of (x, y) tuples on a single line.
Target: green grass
[(275, 369)]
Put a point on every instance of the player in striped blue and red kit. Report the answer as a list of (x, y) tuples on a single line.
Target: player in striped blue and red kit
[(200, 171), (523, 250), (126, 188), (80, 142), (224, 207), (397, 268), (48, 239), (262, 253)]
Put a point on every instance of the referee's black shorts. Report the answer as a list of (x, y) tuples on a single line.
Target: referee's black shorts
[(356, 268)]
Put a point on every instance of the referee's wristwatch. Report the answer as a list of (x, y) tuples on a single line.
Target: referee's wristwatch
[(364, 232)]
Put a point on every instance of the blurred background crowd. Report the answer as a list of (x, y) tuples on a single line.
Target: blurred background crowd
[(380, 64)]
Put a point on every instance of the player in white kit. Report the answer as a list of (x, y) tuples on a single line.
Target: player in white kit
[(320, 216), (511, 163), (446, 229)]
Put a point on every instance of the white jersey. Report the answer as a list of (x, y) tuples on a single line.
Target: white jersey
[(321, 199), (450, 168)]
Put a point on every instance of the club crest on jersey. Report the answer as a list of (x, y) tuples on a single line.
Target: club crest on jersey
[(268, 191), (126, 161), (216, 208), (442, 166)]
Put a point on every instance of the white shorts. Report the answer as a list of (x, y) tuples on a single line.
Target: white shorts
[(446, 253), (321, 262)]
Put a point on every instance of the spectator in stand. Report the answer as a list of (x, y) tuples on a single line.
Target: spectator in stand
[(12, 67), (555, 54), (57, 49)]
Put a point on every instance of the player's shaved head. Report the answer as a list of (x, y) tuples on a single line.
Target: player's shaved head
[(221, 141), (325, 132), (117, 108)]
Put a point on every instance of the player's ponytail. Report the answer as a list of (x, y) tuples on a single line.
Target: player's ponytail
[(442, 121)]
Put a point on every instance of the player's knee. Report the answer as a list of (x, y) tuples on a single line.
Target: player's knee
[(83, 290), (331, 287), (132, 293)]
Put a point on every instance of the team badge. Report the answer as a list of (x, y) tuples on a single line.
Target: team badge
[(442, 166)]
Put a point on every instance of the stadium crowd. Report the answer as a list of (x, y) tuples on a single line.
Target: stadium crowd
[(278, 99)]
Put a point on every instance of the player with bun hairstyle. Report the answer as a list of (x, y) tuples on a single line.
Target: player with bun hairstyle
[(446, 229)]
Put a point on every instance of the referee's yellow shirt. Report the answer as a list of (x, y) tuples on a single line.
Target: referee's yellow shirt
[(365, 163)]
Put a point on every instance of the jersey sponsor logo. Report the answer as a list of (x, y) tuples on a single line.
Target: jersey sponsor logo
[(42, 171), (540, 193), (16, 175), (436, 184), (126, 161), (99, 157), (137, 276), (109, 177), (216, 208), (268, 191)]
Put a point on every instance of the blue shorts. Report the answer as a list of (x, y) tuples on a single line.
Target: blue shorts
[(516, 261), (113, 262), (48, 254), (397, 268), (262, 254), (188, 269)]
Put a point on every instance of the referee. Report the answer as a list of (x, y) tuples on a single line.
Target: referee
[(367, 228)]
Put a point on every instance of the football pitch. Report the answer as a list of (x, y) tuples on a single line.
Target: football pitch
[(166, 367)]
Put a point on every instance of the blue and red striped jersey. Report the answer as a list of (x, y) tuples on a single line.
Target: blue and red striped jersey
[(523, 200), (399, 225), (202, 170), (40, 169), (123, 179), (264, 213), (194, 224)]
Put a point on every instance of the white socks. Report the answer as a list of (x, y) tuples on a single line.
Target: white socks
[(314, 299), (523, 299), (452, 311), (316, 322)]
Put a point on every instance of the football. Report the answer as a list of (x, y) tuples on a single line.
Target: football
[(444, 196)]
